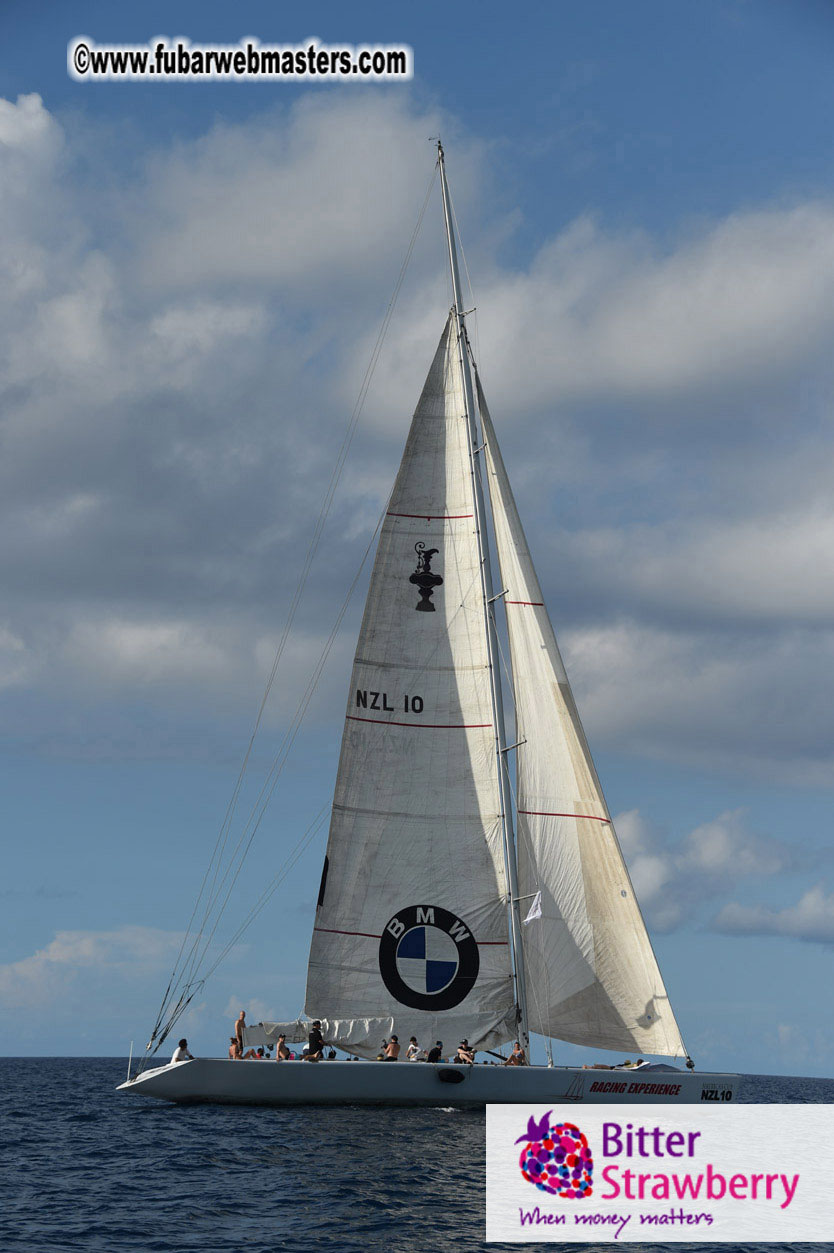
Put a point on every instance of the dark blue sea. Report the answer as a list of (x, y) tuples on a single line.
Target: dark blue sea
[(83, 1167)]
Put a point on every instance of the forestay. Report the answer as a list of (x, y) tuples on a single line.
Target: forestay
[(411, 925), (592, 977)]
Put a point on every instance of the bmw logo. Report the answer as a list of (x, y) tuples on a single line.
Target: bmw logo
[(428, 958)]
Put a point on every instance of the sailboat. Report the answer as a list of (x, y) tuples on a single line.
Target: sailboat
[(455, 902)]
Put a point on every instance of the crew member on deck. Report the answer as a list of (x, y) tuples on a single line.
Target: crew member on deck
[(516, 1058), (392, 1049), (240, 1027), (315, 1043), (436, 1054), (181, 1053)]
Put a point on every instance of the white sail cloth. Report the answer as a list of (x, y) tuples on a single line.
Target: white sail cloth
[(591, 974), (411, 926)]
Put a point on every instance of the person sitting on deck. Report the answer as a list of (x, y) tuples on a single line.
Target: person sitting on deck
[(392, 1049), (436, 1054), (282, 1053), (464, 1053), (412, 1053), (516, 1058), (235, 1051), (181, 1053)]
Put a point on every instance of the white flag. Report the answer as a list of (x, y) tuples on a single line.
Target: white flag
[(535, 910)]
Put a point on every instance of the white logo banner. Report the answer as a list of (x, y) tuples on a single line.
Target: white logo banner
[(655, 1174)]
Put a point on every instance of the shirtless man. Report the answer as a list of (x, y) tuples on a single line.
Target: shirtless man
[(240, 1027), (392, 1049), (235, 1051), (282, 1053)]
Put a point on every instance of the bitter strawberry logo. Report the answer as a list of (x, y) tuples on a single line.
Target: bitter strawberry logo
[(557, 1158)]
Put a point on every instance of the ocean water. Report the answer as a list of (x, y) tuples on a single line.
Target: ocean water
[(84, 1168)]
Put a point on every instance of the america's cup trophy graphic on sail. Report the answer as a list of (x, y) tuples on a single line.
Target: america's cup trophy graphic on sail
[(424, 578)]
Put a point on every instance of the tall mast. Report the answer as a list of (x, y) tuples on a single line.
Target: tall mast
[(501, 751)]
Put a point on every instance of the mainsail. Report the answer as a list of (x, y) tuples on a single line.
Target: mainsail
[(592, 977), (411, 930)]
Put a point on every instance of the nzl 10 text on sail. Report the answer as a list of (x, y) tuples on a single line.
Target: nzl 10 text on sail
[(707, 1184)]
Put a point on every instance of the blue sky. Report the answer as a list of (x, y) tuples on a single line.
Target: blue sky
[(193, 280)]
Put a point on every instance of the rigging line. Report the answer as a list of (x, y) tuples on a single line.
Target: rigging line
[(301, 846), (222, 838), (260, 806), (195, 958), (326, 505)]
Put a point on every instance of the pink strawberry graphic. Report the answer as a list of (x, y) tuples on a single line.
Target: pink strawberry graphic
[(557, 1158)]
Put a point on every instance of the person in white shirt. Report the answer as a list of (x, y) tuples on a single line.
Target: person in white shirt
[(181, 1053), (412, 1053)]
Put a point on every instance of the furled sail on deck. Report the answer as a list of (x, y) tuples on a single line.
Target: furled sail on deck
[(592, 977), (411, 925)]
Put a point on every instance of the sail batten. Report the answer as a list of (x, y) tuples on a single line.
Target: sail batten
[(591, 971)]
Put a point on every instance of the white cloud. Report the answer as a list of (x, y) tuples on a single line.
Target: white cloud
[(256, 1009), (774, 566), (672, 880), (304, 199), (138, 653), (709, 698), (810, 919), (174, 387), (48, 974), (599, 315)]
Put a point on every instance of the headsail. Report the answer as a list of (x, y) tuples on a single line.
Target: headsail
[(411, 924), (592, 976)]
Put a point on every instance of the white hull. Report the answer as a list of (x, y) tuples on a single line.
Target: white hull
[(219, 1081)]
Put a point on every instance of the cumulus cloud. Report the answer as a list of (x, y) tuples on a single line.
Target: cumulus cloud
[(770, 566), (673, 880), (604, 316), (717, 699), (129, 952), (306, 200), (256, 1009), (181, 346), (810, 919)]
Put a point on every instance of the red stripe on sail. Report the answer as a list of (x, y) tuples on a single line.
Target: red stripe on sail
[(421, 726), (332, 931), (545, 813), (368, 935), (431, 517)]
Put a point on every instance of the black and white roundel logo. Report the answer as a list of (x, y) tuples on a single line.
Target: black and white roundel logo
[(428, 958)]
